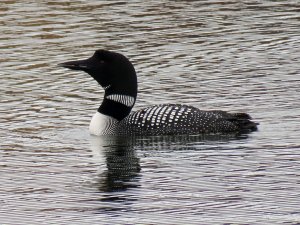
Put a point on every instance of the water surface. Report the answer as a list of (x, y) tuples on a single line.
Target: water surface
[(230, 55)]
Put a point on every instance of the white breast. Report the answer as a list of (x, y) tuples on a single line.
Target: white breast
[(102, 124)]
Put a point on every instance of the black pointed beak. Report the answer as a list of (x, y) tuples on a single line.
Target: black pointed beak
[(76, 65)]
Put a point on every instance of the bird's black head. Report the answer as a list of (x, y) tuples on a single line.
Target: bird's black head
[(113, 71)]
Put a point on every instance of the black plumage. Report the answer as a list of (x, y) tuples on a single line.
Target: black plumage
[(116, 74)]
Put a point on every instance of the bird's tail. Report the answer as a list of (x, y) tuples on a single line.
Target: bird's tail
[(243, 121)]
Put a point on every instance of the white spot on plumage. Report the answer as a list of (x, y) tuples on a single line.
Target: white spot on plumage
[(105, 88)]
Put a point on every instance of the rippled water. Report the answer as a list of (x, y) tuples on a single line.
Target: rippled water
[(231, 55)]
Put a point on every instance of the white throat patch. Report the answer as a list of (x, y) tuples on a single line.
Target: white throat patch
[(102, 124), (123, 99)]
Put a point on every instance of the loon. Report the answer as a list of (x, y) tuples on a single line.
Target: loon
[(117, 76)]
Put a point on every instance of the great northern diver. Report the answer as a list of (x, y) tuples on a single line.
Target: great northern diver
[(116, 74)]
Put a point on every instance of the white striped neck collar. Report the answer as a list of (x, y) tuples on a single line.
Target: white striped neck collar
[(123, 99)]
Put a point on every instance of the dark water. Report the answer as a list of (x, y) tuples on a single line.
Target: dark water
[(230, 55)]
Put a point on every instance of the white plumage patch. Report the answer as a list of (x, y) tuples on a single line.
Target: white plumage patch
[(123, 99), (102, 124)]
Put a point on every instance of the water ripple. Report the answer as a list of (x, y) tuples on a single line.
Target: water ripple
[(231, 55)]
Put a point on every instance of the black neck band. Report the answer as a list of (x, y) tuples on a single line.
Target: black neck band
[(114, 109)]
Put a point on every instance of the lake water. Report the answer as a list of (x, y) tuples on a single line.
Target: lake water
[(230, 55)]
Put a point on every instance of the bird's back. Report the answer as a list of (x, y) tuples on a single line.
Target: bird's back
[(170, 119)]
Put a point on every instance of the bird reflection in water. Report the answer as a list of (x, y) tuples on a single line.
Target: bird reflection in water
[(120, 166), (121, 162)]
